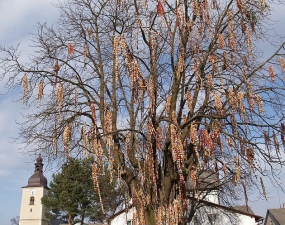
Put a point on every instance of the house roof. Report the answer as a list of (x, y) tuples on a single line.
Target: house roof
[(278, 214), (38, 179), (125, 210), (237, 209), (243, 208)]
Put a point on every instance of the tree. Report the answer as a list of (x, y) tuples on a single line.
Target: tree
[(161, 91), (15, 221), (72, 194)]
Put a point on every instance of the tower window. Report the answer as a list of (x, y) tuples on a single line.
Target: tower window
[(32, 200), (31, 210)]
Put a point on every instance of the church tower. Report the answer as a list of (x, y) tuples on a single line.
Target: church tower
[(32, 211)]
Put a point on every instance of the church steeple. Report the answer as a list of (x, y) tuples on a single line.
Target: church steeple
[(33, 212), (38, 179), (39, 164)]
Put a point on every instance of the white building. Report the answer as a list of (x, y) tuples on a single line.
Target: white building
[(123, 217), (209, 210), (208, 214), (275, 216), (32, 211), (213, 214)]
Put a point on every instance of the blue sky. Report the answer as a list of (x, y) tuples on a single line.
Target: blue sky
[(17, 21)]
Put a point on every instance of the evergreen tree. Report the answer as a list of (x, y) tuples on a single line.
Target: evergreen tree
[(72, 193)]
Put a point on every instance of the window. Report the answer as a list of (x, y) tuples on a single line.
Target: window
[(31, 210), (129, 222), (212, 218), (32, 200)]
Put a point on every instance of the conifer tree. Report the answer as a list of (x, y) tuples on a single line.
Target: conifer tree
[(72, 195)]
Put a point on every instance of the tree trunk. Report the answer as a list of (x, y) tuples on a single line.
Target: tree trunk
[(70, 219), (82, 217), (150, 217)]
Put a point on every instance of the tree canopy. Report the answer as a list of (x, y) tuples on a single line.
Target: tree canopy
[(72, 195), (161, 91)]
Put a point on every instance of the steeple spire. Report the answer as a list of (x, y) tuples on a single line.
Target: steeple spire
[(38, 179), (39, 164)]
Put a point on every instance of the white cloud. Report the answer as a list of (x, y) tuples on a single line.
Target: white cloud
[(18, 15)]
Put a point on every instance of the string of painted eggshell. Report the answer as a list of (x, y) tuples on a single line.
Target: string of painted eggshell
[(272, 73), (84, 135), (232, 41), (76, 103), (139, 195), (263, 188), (116, 53), (40, 93), (54, 139), (177, 149), (161, 13), (85, 53), (25, 88), (70, 49), (56, 69), (59, 97), (282, 64), (66, 138), (95, 174), (137, 81), (238, 173), (276, 144)]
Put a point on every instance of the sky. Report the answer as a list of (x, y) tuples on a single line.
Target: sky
[(17, 21)]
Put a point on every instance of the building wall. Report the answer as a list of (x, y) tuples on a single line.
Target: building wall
[(33, 214), (240, 219), (271, 220), (247, 220), (209, 197), (220, 216), (123, 218)]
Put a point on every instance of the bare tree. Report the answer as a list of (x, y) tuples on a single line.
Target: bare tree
[(15, 221), (162, 91)]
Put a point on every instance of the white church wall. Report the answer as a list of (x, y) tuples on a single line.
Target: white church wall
[(33, 214)]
